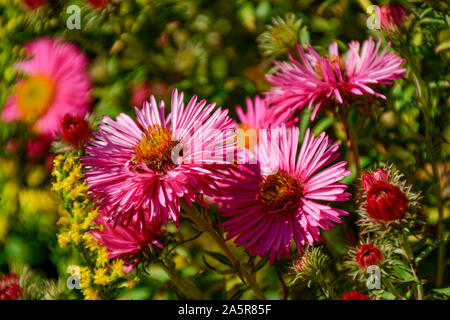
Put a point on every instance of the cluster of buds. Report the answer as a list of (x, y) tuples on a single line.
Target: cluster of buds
[(387, 208)]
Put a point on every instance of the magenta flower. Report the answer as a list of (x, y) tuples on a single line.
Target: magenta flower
[(137, 168), (260, 115), (127, 242), (56, 83), (327, 81), (282, 197)]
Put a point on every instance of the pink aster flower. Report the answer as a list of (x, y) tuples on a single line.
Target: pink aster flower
[(330, 80), (56, 83), (260, 115), (128, 242), (283, 196), (137, 168)]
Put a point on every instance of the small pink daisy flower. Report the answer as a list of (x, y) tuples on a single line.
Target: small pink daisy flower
[(137, 168), (127, 242), (327, 81), (282, 197), (56, 83), (260, 115)]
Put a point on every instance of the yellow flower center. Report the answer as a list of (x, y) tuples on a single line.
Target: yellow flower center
[(35, 95), (155, 149), (280, 192)]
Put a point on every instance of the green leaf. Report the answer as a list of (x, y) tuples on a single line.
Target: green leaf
[(219, 257), (445, 291), (429, 250)]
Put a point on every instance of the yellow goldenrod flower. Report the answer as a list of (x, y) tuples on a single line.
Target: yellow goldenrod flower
[(101, 277), (63, 238), (91, 294), (117, 268), (85, 277), (131, 283)]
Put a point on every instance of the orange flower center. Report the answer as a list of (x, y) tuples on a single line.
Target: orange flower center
[(35, 95), (333, 59), (281, 192), (155, 149), (247, 137)]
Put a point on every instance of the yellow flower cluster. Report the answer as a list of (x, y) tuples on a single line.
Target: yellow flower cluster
[(78, 220)]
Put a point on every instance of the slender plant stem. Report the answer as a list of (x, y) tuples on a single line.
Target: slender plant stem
[(353, 144), (412, 263), (191, 292), (202, 223), (326, 283), (389, 286), (364, 4), (422, 95)]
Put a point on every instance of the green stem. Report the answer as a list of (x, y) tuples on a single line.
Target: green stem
[(203, 224), (412, 264), (326, 284), (422, 94), (389, 286), (190, 292), (364, 4), (353, 144)]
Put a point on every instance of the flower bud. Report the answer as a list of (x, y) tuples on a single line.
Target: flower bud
[(368, 255), (386, 202), (391, 17), (355, 295), (33, 4), (9, 287), (98, 3), (37, 147), (75, 130), (369, 179)]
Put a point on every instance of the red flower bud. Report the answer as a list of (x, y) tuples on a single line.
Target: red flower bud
[(33, 4), (391, 17), (9, 287), (37, 147), (99, 3), (368, 255), (355, 295), (75, 130), (369, 179), (386, 202)]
